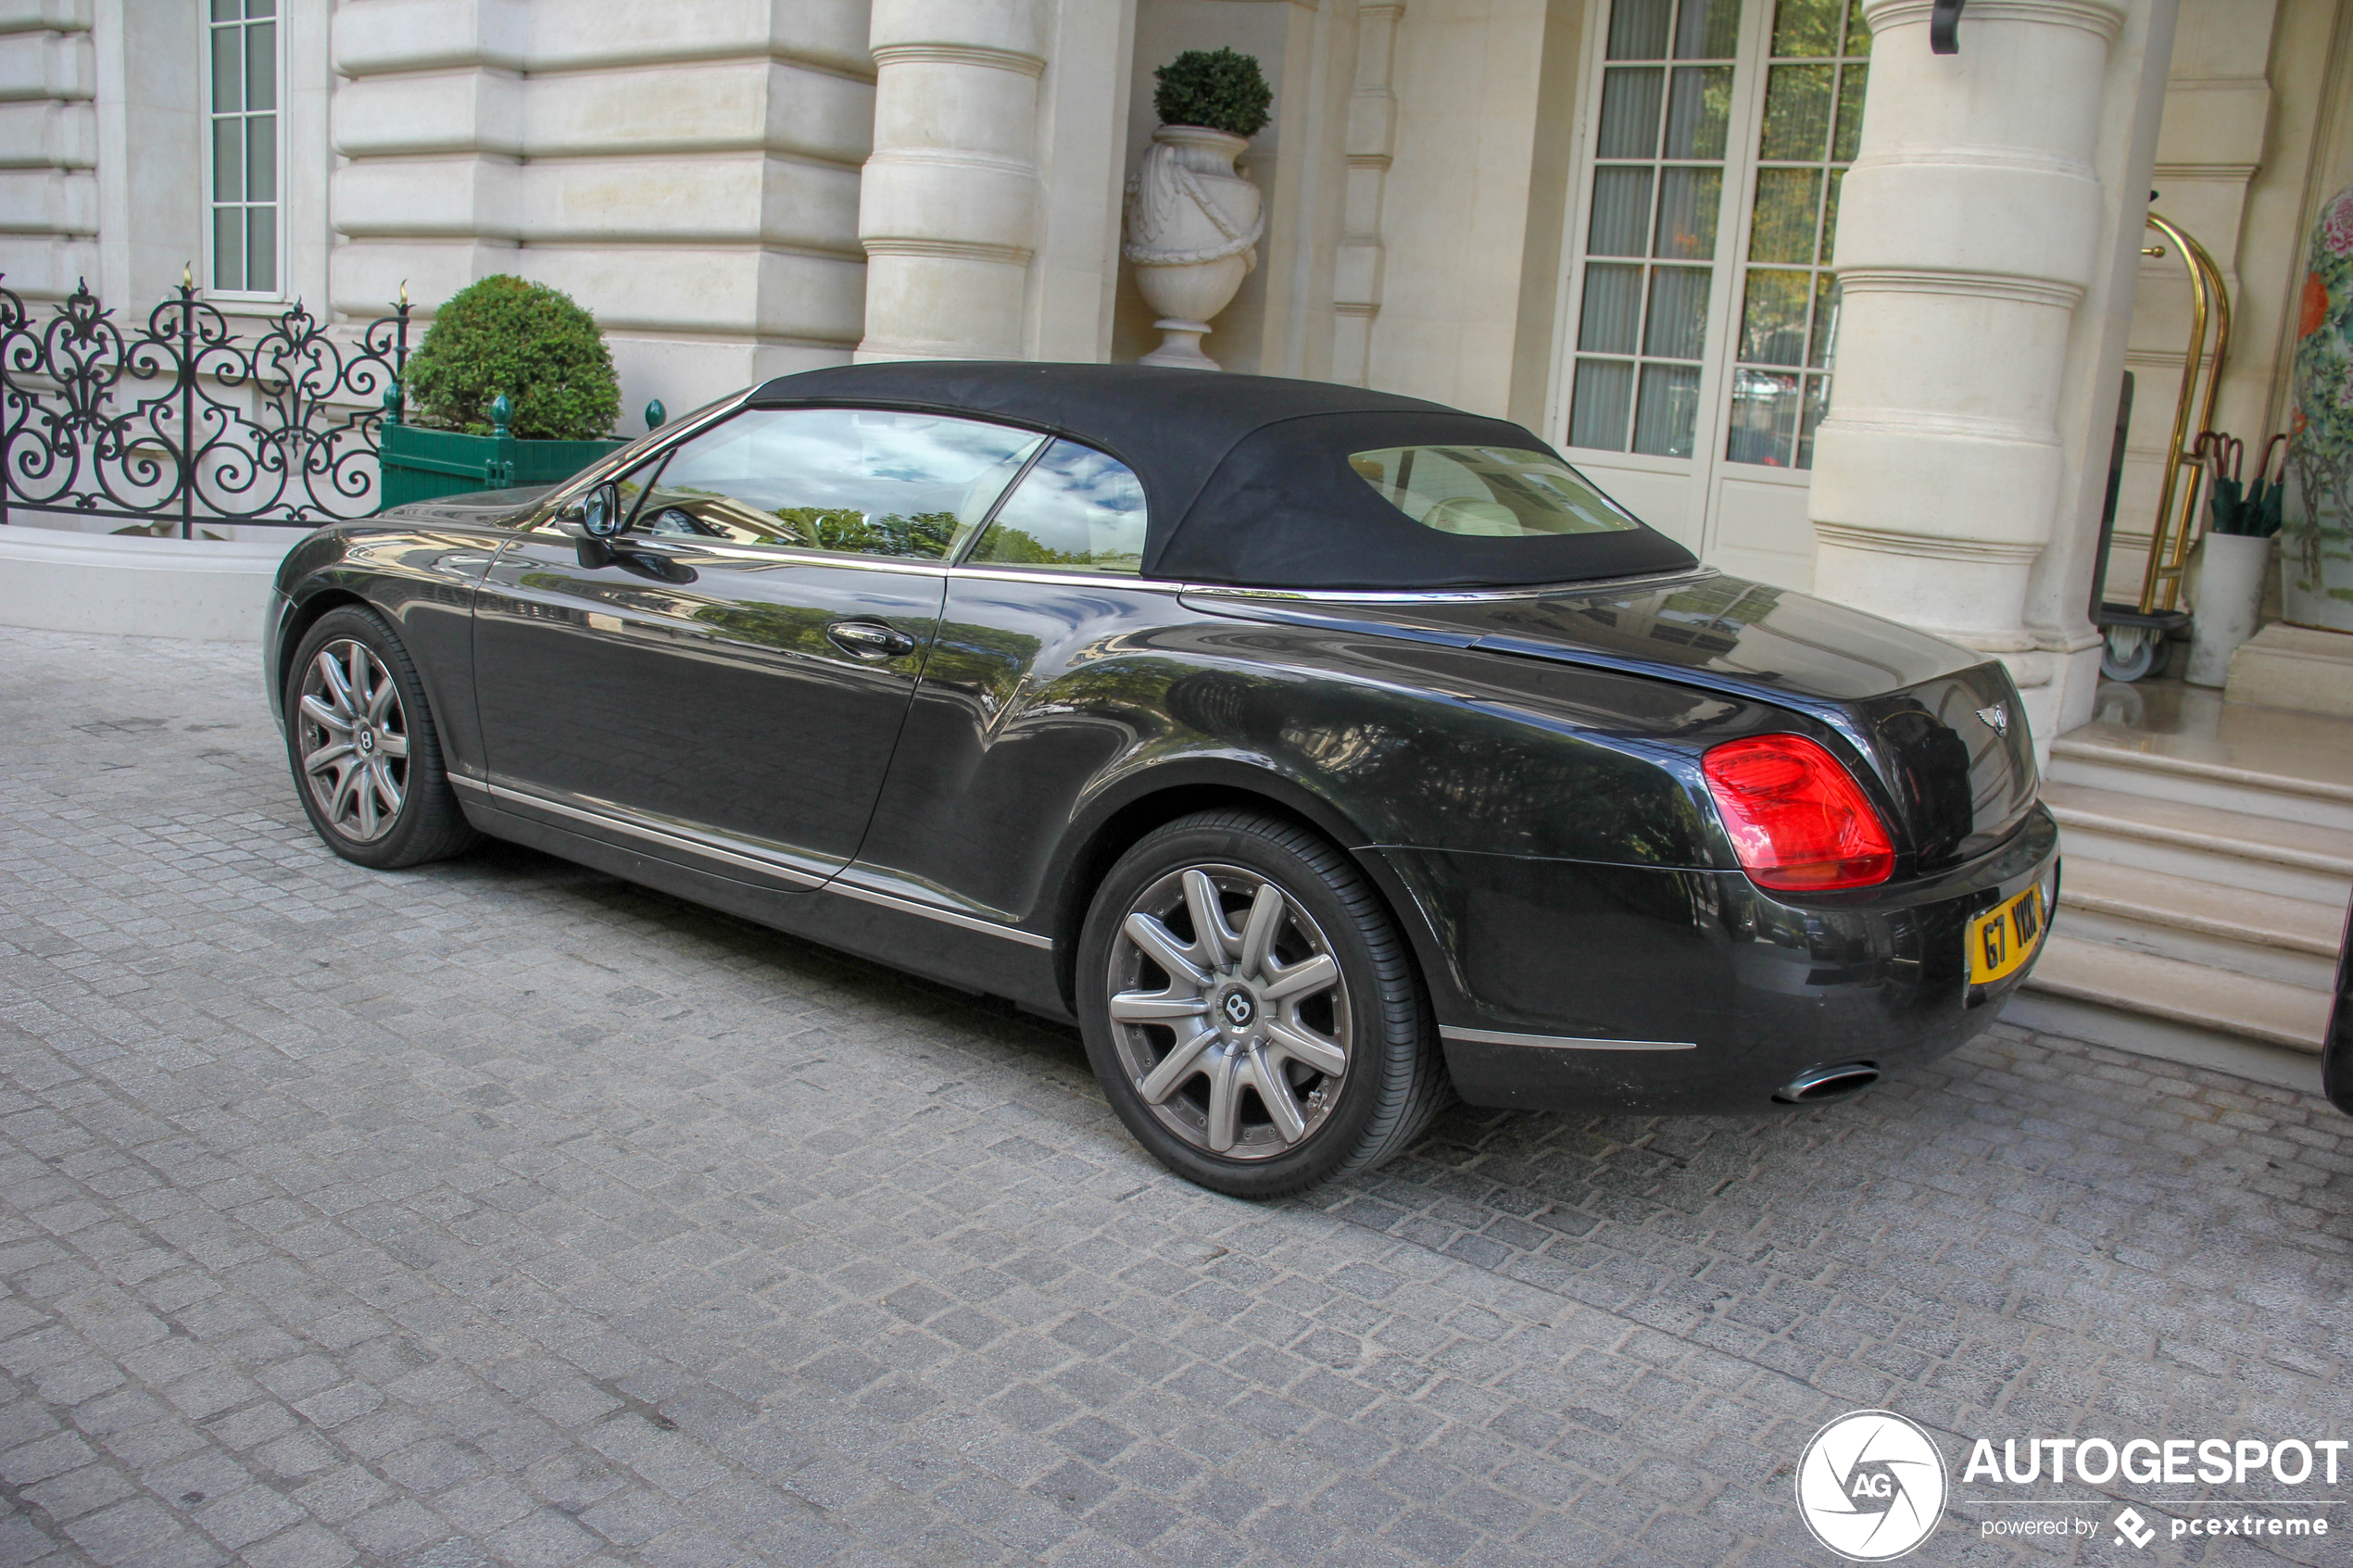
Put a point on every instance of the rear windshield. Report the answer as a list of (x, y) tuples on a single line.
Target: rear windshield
[(1493, 492)]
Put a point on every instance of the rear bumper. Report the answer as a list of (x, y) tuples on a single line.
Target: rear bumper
[(1561, 984)]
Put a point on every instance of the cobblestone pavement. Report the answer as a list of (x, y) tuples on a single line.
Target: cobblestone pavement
[(501, 1212)]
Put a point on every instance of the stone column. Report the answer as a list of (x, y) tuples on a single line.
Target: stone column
[(1372, 143), (1970, 229), (947, 209)]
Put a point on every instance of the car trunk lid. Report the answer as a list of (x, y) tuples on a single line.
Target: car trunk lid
[(1941, 728)]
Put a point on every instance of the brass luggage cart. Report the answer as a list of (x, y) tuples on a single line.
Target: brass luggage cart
[(2136, 633)]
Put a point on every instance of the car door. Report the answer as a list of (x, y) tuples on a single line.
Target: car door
[(725, 677), (1020, 709)]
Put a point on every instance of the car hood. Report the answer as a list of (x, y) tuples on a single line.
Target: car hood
[(478, 507), (1941, 726)]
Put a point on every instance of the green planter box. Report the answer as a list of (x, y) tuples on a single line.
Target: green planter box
[(417, 464)]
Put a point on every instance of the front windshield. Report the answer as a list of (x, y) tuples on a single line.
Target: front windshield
[(1491, 492)]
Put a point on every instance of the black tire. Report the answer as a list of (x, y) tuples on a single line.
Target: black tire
[(427, 824), (1393, 1079)]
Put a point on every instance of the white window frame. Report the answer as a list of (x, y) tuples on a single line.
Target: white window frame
[(207, 27), (1734, 219)]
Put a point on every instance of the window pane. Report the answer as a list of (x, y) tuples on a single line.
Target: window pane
[(1638, 30), (1797, 114), (1850, 113), (261, 8), (1688, 200), (261, 249), (1079, 510), (261, 66), (1829, 217), (1764, 417), (1612, 309), (856, 481), (228, 80), (1818, 403), (1597, 411), (1807, 27), (1630, 112), (1782, 229), (261, 158), (228, 160), (1488, 491), (225, 10), (1825, 345), (1773, 318), (227, 247), (1699, 111), (1621, 212), (1677, 328), (1858, 33), (1664, 414), (1707, 30)]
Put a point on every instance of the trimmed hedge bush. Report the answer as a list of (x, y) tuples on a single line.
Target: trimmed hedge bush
[(1213, 87), (526, 340)]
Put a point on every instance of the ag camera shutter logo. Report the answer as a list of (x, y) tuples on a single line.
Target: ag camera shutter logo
[(1870, 1486)]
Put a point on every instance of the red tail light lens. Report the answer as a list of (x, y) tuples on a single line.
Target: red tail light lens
[(1797, 820)]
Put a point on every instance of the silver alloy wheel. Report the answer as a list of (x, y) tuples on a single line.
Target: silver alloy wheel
[(1241, 1050), (353, 739)]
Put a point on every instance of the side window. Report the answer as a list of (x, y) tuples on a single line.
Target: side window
[(1077, 510), (856, 481)]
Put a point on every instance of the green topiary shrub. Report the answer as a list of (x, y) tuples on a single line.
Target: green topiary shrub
[(1213, 87), (525, 340)]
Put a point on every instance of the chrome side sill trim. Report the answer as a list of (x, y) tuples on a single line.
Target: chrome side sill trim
[(932, 911), (1561, 1042), (653, 835), (766, 867)]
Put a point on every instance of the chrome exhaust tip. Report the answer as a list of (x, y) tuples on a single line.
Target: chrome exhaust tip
[(1819, 1085)]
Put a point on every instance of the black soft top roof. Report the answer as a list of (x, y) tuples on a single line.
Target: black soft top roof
[(1246, 477)]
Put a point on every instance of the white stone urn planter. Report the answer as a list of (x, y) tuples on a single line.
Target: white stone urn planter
[(1193, 227)]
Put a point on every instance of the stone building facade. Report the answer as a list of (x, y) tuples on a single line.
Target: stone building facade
[(1838, 311)]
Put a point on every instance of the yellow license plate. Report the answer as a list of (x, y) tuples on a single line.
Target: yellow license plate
[(2003, 938)]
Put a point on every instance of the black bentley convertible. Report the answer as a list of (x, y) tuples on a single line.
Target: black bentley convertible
[(1323, 753)]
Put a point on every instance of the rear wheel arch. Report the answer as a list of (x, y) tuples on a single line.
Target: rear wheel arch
[(1167, 794)]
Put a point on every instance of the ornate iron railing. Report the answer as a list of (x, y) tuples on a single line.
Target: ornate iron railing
[(178, 422)]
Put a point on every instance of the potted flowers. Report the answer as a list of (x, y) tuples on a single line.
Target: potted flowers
[(512, 385), (1193, 223)]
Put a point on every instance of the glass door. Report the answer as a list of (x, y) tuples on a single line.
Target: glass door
[(1702, 314)]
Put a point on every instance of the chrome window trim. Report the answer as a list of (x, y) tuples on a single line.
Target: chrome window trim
[(1559, 1042), (1453, 596), (697, 845)]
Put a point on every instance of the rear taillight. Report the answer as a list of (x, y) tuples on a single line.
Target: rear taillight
[(1798, 821)]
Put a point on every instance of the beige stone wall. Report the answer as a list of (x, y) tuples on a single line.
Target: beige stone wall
[(687, 170), (2255, 124), (48, 145), (1458, 199)]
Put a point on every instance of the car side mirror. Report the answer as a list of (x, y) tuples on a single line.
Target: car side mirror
[(600, 513)]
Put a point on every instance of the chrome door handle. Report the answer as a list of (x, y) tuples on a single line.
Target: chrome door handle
[(870, 639)]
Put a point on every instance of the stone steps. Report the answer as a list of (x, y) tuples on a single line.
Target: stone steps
[(2205, 844), (2290, 940), (2245, 1005), (2212, 786), (2203, 897)]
